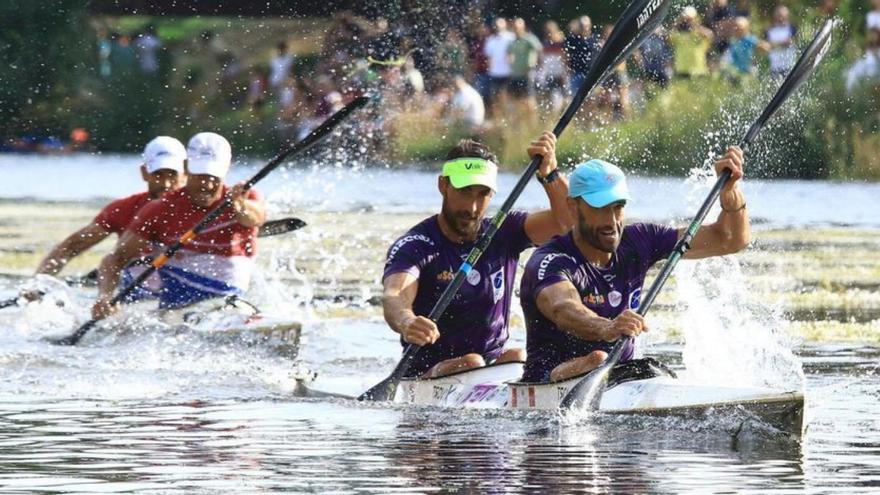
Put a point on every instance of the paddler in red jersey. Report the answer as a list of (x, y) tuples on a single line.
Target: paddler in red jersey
[(163, 171), (219, 261)]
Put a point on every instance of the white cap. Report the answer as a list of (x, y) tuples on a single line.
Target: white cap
[(164, 153), (208, 153)]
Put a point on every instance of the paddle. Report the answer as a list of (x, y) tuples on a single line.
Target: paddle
[(268, 229), (12, 301), (280, 226), (322, 131), (588, 391), (635, 24)]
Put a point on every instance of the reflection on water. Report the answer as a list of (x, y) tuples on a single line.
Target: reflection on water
[(307, 445), (151, 411), (198, 447)]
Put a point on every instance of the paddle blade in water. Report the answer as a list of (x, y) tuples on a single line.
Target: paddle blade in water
[(75, 337), (587, 393), (276, 227), (382, 391)]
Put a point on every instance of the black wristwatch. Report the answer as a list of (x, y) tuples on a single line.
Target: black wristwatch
[(549, 178)]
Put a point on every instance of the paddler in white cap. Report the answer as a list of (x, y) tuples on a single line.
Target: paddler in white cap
[(216, 263), (163, 171)]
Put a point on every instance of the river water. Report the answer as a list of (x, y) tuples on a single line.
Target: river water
[(139, 410)]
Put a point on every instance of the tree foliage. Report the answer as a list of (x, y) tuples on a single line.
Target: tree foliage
[(46, 50)]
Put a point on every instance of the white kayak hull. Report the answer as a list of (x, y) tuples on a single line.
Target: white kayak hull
[(229, 323), (497, 386), (219, 322)]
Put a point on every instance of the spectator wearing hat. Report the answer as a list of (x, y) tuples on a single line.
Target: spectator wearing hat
[(218, 262)]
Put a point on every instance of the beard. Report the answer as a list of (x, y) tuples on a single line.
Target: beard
[(604, 238), (464, 224)]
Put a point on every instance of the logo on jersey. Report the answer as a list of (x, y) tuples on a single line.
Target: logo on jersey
[(635, 298), (615, 298), (474, 277), (542, 267), (404, 241), (648, 12), (594, 299), (497, 279), (445, 276)]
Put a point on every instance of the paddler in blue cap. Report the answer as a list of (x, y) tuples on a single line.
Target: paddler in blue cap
[(421, 263), (580, 291)]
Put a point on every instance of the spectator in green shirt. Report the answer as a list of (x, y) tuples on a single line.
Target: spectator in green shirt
[(690, 43), (523, 53)]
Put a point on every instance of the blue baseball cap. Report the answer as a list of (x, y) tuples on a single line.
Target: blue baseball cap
[(599, 183)]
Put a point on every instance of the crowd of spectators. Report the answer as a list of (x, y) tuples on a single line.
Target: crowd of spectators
[(477, 74), (485, 73)]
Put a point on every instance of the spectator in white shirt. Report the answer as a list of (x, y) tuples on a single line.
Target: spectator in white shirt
[(462, 106), (499, 71), (280, 65), (873, 17), (866, 68), (147, 46), (780, 37)]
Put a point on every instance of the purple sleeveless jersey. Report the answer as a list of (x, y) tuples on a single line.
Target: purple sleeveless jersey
[(606, 291), (476, 319)]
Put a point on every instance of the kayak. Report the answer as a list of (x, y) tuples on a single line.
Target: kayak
[(639, 386), (226, 321), (237, 321)]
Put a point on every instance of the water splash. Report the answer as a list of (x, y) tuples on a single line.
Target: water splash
[(54, 309), (729, 336)]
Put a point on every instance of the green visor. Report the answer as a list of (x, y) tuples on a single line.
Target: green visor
[(464, 172)]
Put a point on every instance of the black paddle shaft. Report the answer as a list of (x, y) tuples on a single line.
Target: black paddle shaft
[(636, 23), (313, 137), (588, 391), (805, 66), (268, 229)]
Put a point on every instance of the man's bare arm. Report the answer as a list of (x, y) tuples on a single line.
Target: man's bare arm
[(562, 305), (75, 244), (398, 296)]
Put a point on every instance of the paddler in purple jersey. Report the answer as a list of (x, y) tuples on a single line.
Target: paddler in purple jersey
[(580, 291), (421, 263)]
